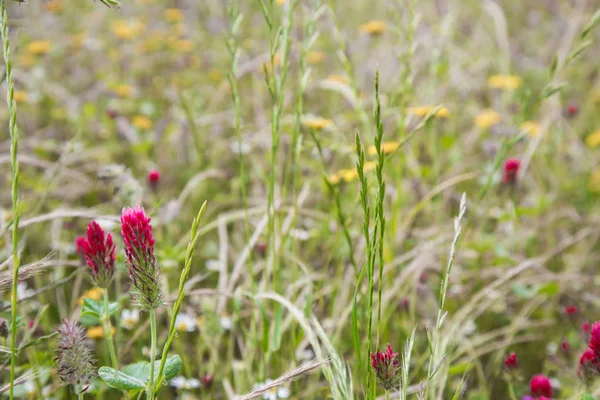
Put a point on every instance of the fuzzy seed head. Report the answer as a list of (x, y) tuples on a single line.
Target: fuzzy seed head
[(75, 359)]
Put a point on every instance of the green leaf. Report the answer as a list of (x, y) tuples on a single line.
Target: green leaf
[(141, 370), (119, 380), (549, 289), (587, 396), (89, 319), (523, 291), (92, 306), (172, 366)]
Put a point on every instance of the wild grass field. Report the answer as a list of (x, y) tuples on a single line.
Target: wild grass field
[(300, 199)]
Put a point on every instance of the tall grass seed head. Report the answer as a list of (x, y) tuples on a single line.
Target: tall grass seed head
[(144, 271), (75, 359), (387, 367), (99, 253)]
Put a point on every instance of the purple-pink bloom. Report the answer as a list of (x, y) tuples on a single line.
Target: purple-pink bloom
[(98, 250), (387, 367), (143, 269)]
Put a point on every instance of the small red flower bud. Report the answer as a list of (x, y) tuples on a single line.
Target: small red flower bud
[(570, 310), (511, 169), (540, 386), (572, 110), (564, 345), (511, 361), (207, 381), (153, 178), (585, 327)]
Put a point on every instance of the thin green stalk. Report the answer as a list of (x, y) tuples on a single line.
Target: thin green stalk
[(511, 391), (80, 394), (14, 141), (150, 388), (195, 235), (387, 395), (108, 332)]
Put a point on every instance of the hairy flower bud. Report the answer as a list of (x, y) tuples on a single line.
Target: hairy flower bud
[(75, 360), (144, 272), (387, 367), (99, 252)]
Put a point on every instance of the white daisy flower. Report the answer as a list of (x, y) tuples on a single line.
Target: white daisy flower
[(185, 322), (279, 392), (300, 234), (180, 382), (129, 318), (226, 322)]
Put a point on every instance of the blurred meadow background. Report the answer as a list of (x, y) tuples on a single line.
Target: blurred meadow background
[(332, 142)]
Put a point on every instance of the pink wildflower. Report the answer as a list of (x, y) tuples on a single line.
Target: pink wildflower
[(99, 252), (540, 386), (387, 367)]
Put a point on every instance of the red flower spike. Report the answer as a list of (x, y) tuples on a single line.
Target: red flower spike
[(144, 272), (511, 170), (540, 386), (207, 380), (572, 110), (511, 361), (387, 367), (99, 252), (595, 338), (80, 242), (564, 345)]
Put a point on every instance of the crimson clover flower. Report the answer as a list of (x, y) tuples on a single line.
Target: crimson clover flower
[(98, 250), (144, 271), (540, 386), (387, 367)]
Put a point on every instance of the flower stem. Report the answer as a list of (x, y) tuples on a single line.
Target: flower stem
[(387, 395), (150, 388), (108, 332), (79, 392), (511, 391), (14, 140)]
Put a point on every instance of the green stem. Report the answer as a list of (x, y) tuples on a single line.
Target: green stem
[(387, 395), (14, 140), (511, 391), (79, 392), (150, 388), (108, 332)]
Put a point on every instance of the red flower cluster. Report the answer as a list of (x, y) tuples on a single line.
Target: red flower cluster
[(540, 387), (387, 367), (144, 272), (570, 310), (98, 250), (153, 178), (511, 169), (589, 362), (511, 361)]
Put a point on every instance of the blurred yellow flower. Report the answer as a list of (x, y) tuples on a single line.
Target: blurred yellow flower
[(54, 6), (182, 45), (38, 47), (173, 14), (97, 332), (280, 2), (387, 147), (507, 82), (593, 139), (374, 27), (93, 294), (369, 166), (142, 122), (594, 181), (26, 60), (78, 40), (487, 118), (317, 123), (337, 79), (127, 30), (123, 90), (316, 57), (215, 75), (422, 111), (21, 96), (531, 128)]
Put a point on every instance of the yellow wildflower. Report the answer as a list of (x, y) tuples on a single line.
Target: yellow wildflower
[(93, 294), (506, 82), (374, 27), (317, 123), (386, 147), (21, 96), (593, 139), (26, 60), (184, 46), (531, 128), (369, 166), (38, 47), (54, 6), (97, 332), (123, 90), (594, 181), (337, 79), (316, 57), (142, 122), (280, 2), (487, 118), (215, 75), (127, 30), (422, 111), (173, 14)]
